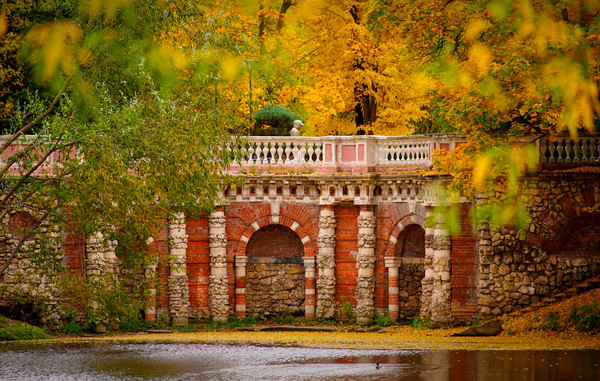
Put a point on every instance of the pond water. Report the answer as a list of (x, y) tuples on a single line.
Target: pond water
[(229, 362)]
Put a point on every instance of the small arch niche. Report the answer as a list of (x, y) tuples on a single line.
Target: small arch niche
[(410, 248), (275, 272)]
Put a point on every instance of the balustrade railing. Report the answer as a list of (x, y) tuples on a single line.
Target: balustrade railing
[(282, 150), (404, 151), (343, 151), (580, 150)]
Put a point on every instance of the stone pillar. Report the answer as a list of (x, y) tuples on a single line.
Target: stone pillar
[(150, 273), (392, 264), (326, 263), (179, 296), (101, 257), (437, 293), (94, 250), (240, 286), (309, 287), (365, 262), (218, 282)]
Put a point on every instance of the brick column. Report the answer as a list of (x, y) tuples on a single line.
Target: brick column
[(392, 264), (326, 263), (437, 293), (240, 286), (365, 262), (179, 296), (218, 282), (309, 287)]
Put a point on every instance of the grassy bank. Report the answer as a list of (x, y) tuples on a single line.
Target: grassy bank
[(12, 330)]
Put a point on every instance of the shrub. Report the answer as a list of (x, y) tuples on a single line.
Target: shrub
[(551, 322), (586, 318), (73, 328), (382, 320), (420, 324), (11, 330), (277, 119)]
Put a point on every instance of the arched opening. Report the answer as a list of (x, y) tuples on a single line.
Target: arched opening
[(410, 248), (275, 272), (20, 224)]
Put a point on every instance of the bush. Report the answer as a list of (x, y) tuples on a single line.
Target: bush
[(382, 320), (551, 322), (73, 328), (11, 330), (420, 324), (274, 120), (586, 318)]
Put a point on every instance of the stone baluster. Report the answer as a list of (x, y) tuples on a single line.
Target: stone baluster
[(309, 287), (326, 263), (436, 296), (179, 300), (240, 286), (392, 264), (218, 281), (365, 262)]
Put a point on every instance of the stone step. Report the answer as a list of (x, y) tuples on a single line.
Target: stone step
[(543, 303), (571, 292), (594, 282), (561, 296)]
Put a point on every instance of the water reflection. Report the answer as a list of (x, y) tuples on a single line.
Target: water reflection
[(221, 362)]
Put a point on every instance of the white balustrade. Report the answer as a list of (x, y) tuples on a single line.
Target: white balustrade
[(405, 151), (281, 151), (581, 150)]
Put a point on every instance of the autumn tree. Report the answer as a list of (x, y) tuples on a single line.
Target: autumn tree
[(111, 141)]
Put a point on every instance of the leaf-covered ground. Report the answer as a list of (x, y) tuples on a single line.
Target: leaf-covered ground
[(394, 338), (562, 319)]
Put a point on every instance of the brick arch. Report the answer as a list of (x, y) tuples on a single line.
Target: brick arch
[(20, 222), (286, 242), (411, 242), (409, 219), (292, 224), (565, 232)]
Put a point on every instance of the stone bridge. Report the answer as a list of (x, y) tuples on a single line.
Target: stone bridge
[(322, 224)]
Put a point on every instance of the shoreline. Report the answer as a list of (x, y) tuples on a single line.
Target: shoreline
[(394, 338)]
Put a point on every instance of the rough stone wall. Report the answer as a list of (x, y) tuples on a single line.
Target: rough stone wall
[(410, 290), (558, 250), (23, 279), (520, 274), (274, 289)]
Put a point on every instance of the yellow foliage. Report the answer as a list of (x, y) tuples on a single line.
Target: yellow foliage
[(3, 24), (57, 50)]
